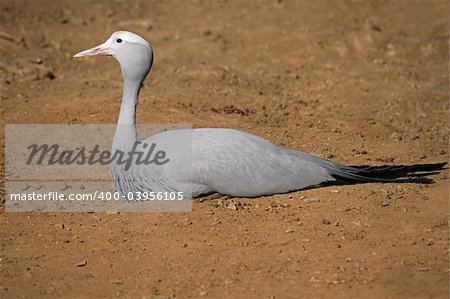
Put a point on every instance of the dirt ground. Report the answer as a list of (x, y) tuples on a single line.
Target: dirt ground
[(358, 82)]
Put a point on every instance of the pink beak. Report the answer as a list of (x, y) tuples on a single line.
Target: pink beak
[(102, 49)]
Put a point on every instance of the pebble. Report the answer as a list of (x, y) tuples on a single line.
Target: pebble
[(37, 60), (216, 221), (50, 75), (112, 213), (273, 204), (423, 269), (116, 281), (8, 37), (336, 130), (232, 206), (344, 209), (384, 203), (396, 136), (81, 264), (311, 200), (50, 290), (313, 279), (430, 242), (424, 197), (326, 221)]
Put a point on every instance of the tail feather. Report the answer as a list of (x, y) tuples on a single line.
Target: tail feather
[(397, 171), (347, 175)]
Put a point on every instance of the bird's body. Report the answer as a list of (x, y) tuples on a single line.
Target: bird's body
[(226, 161)]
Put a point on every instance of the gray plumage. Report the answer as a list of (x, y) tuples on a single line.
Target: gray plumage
[(230, 162)]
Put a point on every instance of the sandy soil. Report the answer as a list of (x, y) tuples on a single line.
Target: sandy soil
[(356, 82)]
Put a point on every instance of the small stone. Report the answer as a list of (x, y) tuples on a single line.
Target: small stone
[(430, 242), (116, 281), (232, 206), (336, 130), (37, 60), (288, 231), (384, 203), (344, 209), (424, 269), (313, 279), (376, 28), (5, 36), (50, 75), (50, 290), (273, 204), (424, 197), (216, 221), (81, 264), (311, 200), (326, 221)]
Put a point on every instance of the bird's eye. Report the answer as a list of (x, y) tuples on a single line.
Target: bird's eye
[(119, 40)]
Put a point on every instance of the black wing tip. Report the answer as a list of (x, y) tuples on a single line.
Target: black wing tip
[(434, 166), (398, 171), (341, 180)]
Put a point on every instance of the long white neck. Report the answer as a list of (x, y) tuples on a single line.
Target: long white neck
[(126, 134)]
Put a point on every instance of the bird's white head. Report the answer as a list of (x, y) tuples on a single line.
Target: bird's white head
[(134, 54)]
